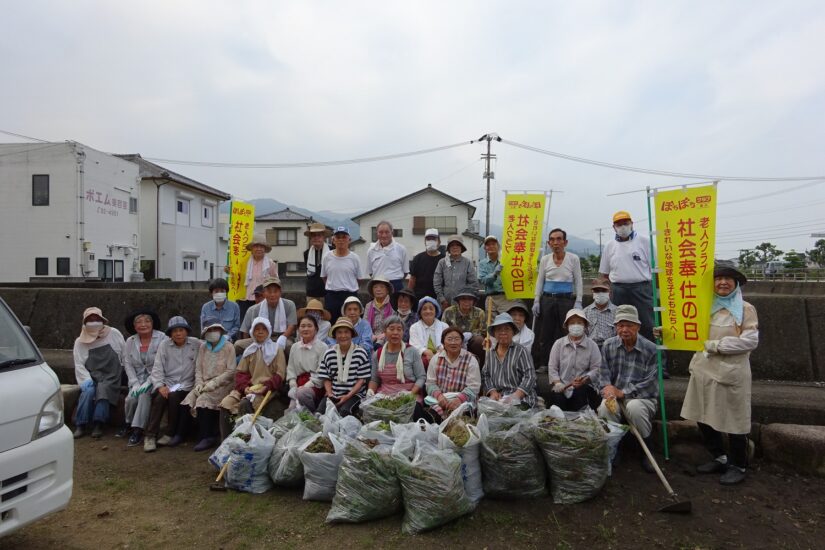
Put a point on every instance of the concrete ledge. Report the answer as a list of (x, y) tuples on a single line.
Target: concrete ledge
[(800, 447)]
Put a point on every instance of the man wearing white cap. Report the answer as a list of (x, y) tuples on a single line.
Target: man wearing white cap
[(422, 267), (387, 257), (489, 275), (313, 257), (340, 271)]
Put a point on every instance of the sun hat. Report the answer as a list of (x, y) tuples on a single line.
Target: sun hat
[(177, 322), (456, 239), (129, 322), (725, 268), (380, 279), (600, 282), (502, 319), (271, 281), (575, 313), (621, 215), (318, 228), (490, 238), (626, 312), (261, 240), (345, 323), (518, 304), (314, 305), (89, 311), (409, 294), (352, 300), (466, 292), (209, 324)]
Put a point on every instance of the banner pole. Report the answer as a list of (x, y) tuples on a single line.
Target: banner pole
[(657, 320)]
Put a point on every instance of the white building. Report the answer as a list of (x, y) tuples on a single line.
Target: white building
[(179, 217), (68, 211), (413, 214), (284, 230)]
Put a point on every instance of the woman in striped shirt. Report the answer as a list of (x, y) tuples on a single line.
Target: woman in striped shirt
[(344, 370), (508, 373)]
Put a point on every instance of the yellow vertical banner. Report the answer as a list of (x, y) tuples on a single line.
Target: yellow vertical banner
[(241, 226), (521, 243), (685, 242)]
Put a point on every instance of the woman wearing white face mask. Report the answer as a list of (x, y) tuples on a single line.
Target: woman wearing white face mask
[(600, 313), (214, 374), (227, 313), (573, 366)]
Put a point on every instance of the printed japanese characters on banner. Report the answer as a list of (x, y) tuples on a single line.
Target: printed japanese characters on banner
[(521, 243), (685, 241), (241, 226)]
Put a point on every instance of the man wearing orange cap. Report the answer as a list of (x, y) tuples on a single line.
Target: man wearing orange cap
[(626, 262)]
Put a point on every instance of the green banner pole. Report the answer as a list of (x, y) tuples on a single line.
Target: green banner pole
[(657, 319)]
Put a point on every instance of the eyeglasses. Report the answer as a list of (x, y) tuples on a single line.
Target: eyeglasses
[(453, 339)]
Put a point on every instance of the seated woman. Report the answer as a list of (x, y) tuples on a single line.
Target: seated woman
[(508, 373), (262, 369), (173, 377), (574, 362), (302, 369), (352, 311), (98, 367), (138, 359), (344, 370), (405, 306), (214, 374), (425, 335), (397, 367), (379, 309), (453, 376), (315, 309)]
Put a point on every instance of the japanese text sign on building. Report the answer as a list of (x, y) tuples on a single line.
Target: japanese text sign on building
[(521, 243), (685, 241), (241, 226)]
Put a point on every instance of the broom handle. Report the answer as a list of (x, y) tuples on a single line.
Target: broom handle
[(488, 304), (652, 460), (254, 418)]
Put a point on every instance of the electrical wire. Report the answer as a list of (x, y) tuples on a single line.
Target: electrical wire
[(31, 149), (24, 137), (653, 171)]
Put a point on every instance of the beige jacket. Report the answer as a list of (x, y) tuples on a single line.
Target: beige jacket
[(719, 390), (215, 372)]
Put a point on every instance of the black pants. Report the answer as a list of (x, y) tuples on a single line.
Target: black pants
[(551, 319), (716, 446), (245, 305), (350, 407), (333, 301), (207, 423), (178, 418), (582, 397)]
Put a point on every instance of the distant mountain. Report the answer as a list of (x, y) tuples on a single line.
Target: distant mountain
[(576, 245)]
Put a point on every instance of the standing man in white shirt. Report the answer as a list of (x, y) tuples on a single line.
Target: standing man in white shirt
[(558, 290), (340, 272), (626, 262), (388, 258)]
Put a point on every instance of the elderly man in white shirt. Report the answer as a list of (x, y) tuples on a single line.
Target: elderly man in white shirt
[(387, 257)]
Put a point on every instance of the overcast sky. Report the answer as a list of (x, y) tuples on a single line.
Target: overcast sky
[(727, 88)]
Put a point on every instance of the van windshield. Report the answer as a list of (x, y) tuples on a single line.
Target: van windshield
[(15, 347)]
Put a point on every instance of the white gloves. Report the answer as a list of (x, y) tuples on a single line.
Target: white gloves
[(293, 383), (536, 308), (198, 389), (558, 387), (577, 305), (291, 393), (281, 342), (467, 336), (133, 391), (498, 269), (712, 346), (370, 393)]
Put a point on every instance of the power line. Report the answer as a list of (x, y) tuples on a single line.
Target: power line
[(653, 171), (24, 137)]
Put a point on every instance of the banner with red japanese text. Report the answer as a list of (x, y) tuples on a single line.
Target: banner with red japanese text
[(241, 226), (521, 243), (685, 242)]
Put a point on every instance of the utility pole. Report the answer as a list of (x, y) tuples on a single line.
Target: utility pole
[(488, 174), (600, 246)]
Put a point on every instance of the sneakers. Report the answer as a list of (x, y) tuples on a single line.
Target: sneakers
[(149, 445), (97, 430), (136, 438), (175, 441), (122, 431), (204, 444), (164, 441), (733, 475), (718, 465), (79, 431)]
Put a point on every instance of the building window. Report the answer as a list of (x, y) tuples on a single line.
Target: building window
[(133, 205), (396, 233), (446, 225), (41, 266), (189, 265), (118, 271), (105, 270), (282, 237), (182, 212), (63, 266), (40, 190), (207, 219)]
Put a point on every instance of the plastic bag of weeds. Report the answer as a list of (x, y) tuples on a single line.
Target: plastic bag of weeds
[(432, 487), (512, 466), (493, 409), (240, 434), (406, 435), (321, 455), (459, 434), (399, 407), (248, 461), (576, 453), (368, 486), (285, 467), (333, 423), (615, 433), (262, 421)]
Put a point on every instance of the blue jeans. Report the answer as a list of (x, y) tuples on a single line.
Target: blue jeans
[(89, 409)]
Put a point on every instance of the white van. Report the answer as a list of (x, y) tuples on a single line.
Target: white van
[(36, 447)]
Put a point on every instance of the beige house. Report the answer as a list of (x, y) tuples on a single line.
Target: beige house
[(284, 230)]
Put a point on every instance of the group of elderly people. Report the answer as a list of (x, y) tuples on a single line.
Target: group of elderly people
[(442, 348)]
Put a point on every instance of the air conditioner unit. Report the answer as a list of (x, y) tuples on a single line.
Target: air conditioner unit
[(475, 226)]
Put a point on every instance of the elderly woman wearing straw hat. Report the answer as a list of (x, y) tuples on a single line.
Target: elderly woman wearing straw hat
[(304, 358), (379, 309), (173, 377), (718, 396), (258, 267), (508, 374), (315, 309), (98, 366), (397, 367), (214, 374), (574, 365), (344, 370), (314, 256), (138, 360), (453, 272)]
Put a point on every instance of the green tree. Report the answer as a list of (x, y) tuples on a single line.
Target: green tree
[(748, 258), (585, 264), (794, 260), (817, 255), (766, 252)]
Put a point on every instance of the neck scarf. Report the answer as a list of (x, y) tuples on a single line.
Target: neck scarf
[(218, 346), (280, 316), (732, 302), (312, 267), (399, 364), (268, 347), (343, 363), (267, 263), (89, 335), (386, 310)]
